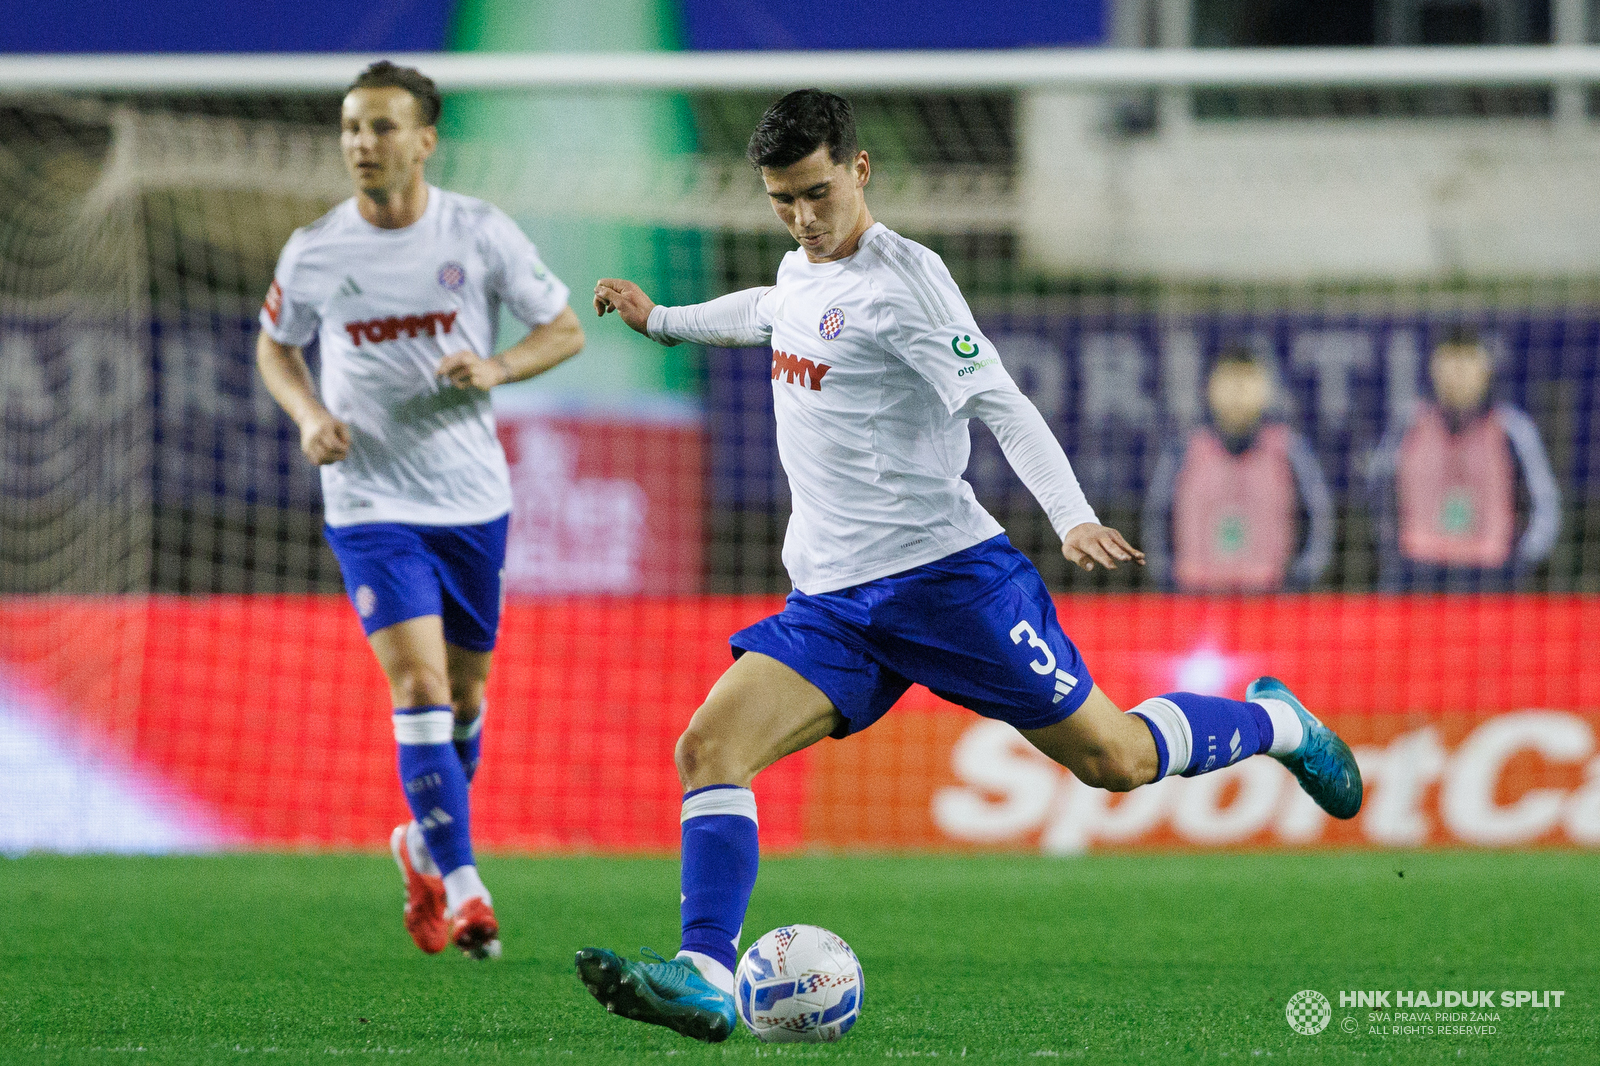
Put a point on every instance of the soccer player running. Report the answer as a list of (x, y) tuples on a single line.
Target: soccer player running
[(900, 576), (402, 286)]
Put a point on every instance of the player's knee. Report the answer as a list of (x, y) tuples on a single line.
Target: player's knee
[(690, 755), (419, 685), (701, 759), (467, 702)]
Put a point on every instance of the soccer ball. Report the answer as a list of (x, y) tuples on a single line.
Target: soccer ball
[(799, 984)]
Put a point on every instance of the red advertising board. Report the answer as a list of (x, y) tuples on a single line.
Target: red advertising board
[(588, 489), (1475, 719)]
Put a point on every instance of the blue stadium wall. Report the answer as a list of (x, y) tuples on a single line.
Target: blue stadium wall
[(423, 25)]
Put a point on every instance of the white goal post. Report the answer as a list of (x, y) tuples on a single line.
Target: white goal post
[(1088, 69)]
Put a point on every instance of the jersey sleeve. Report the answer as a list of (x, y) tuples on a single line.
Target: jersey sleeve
[(517, 275), (289, 314), (931, 328), (740, 319), (1035, 455)]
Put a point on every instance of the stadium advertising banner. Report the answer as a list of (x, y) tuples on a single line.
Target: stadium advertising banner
[(175, 723)]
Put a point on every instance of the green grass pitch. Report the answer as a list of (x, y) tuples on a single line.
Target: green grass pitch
[(1166, 958)]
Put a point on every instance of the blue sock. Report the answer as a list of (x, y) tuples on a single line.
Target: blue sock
[(436, 786), (720, 856), (1197, 734), (468, 740)]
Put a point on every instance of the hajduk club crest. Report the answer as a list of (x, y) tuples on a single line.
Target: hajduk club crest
[(452, 276)]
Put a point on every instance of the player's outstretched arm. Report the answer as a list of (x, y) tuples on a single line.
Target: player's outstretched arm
[(323, 438), (544, 347), (1091, 543), (740, 319)]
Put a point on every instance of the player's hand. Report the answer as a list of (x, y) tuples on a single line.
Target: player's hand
[(626, 299), (465, 370), (324, 439), (1089, 543)]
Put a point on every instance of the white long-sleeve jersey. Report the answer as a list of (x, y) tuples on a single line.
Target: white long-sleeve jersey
[(876, 366), (387, 306)]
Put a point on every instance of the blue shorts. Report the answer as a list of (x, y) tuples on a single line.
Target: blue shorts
[(977, 627), (394, 572)]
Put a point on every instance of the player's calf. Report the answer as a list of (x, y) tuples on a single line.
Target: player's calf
[(1196, 735), (436, 790)]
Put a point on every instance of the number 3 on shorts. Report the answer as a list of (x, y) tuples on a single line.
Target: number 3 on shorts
[(1023, 629)]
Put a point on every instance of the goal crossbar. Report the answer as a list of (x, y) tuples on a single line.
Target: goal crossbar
[(1090, 69)]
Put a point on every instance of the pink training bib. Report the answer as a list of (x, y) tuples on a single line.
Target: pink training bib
[(1233, 516), (1457, 492)]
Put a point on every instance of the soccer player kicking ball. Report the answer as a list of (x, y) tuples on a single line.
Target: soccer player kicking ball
[(402, 286), (900, 576)]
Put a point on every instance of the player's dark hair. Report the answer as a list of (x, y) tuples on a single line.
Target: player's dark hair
[(385, 75), (1236, 355), (1459, 336), (798, 125)]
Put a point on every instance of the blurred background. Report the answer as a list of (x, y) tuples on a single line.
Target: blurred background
[(1326, 346)]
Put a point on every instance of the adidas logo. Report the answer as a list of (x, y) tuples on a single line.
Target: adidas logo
[(1233, 747), (435, 818), (349, 288)]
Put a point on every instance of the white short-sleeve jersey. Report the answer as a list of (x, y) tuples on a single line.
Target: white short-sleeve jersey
[(872, 358), (387, 305)]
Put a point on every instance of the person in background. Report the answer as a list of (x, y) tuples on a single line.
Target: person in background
[(1446, 483), (1227, 498)]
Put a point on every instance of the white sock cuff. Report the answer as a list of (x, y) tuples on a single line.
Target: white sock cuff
[(1166, 717), (731, 800), (1287, 729), (462, 884), (470, 729), (429, 727), (712, 970)]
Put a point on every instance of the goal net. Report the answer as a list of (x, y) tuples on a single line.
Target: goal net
[(1149, 262)]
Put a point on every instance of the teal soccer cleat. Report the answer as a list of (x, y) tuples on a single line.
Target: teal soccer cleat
[(1322, 763), (665, 992)]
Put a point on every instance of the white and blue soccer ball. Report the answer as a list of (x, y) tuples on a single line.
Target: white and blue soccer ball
[(799, 984)]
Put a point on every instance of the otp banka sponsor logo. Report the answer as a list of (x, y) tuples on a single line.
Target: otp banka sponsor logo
[(964, 346), (798, 370), (378, 330)]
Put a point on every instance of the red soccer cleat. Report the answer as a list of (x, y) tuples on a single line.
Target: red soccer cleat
[(475, 931), (425, 900)]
